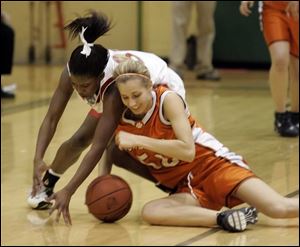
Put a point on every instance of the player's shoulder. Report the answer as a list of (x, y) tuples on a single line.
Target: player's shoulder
[(163, 91)]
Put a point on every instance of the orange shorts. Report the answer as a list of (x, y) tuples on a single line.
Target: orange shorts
[(213, 184), (277, 26)]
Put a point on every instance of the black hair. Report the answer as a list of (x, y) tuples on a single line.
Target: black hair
[(97, 25)]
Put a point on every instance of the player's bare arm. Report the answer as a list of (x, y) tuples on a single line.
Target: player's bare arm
[(112, 110), (56, 108), (182, 148)]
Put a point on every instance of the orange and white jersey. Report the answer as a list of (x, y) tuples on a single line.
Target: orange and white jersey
[(160, 73), (170, 171)]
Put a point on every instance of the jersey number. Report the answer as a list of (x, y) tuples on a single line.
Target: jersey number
[(161, 161)]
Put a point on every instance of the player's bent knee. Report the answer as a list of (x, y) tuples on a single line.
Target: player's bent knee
[(148, 214), (281, 64), (277, 210), (153, 213)]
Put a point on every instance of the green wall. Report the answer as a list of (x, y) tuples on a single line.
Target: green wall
[(239, 40)]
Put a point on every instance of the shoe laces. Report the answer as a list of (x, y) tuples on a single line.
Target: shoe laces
[(250, 215)]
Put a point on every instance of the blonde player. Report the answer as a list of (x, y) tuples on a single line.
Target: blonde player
[(88, 73), (157, 130)]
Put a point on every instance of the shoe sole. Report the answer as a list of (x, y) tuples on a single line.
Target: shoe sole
[(237, 220)]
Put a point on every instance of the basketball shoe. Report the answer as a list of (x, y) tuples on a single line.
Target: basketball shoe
[(39, 201), (236, 220), (284, 125), (295, 119), (212, 75)]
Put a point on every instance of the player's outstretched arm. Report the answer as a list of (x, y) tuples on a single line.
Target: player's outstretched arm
[(112, 111), (56, 108)]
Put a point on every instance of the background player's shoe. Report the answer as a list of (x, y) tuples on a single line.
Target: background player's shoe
[(284, 126), (295, 119), (212, 75), (39, 200), (236, 220)]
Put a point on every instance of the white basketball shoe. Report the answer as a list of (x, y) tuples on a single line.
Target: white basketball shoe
[(236, 220), (39, 201)]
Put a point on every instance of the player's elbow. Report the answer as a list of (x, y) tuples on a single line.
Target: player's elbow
[(189, 154)]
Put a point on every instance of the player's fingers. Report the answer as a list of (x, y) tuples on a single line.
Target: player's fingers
[(34, 188), (52, 209), (247, 11), (67, 217), (58, 215), (50, 198), (40, 180), (244, 10)]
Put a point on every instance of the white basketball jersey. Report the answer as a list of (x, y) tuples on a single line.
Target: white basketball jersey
[(160, 73)]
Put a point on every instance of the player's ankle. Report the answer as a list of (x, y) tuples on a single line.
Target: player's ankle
[(50, 178)]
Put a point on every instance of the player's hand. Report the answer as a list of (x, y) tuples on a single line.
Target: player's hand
[(39, 169), (245, 7), (292, 9), (126, 141), (62, 200)]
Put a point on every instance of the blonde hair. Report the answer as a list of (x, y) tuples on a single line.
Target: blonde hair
[(131, 69)]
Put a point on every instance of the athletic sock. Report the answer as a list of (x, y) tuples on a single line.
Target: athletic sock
[(50, 178)]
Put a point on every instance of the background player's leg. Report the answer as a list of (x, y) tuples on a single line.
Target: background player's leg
[(294, 89), (278, 79)]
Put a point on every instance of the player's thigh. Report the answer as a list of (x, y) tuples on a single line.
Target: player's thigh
[(177, 199)]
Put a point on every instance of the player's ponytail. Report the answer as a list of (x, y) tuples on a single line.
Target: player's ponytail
[(89, 59), (97, 24)]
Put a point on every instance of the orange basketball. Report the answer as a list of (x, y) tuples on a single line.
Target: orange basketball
[(108, 198)]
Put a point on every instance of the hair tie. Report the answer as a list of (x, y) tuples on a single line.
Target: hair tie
[(86, 46), (132, 74)]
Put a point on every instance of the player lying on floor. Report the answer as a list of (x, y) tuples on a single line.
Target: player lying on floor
[(157, 130)]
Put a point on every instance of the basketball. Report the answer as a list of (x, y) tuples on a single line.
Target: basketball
[(108, 198)]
